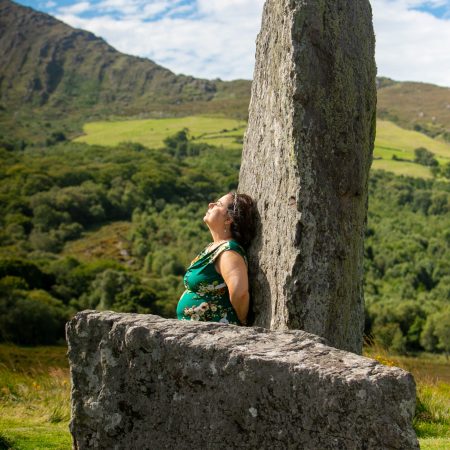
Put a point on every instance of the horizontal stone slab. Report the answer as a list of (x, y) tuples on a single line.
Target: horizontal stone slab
[(144, 382)]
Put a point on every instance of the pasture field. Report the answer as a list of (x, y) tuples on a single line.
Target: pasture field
[(35, 393), (391, 140), (214, 130), (390, 135), (406, 168)]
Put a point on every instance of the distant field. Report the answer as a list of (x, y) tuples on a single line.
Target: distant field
[(402, 168), (213, 130), (390, 139), (392, 136)]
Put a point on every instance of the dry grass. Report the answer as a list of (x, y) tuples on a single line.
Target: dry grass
[(35, 396), (432, 375)]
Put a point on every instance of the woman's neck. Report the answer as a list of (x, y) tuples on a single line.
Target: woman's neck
[(220, 237)]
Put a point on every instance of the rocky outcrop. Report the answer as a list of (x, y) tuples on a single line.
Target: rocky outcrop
[(306, 159), (143, 382)]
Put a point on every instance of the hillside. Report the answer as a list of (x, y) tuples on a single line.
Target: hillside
[(417, 106), (53, 69), (55, 77)]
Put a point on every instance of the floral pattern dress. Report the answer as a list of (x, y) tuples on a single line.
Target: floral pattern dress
[(206, 297)]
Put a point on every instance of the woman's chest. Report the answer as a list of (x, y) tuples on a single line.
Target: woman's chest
[(205, 279)]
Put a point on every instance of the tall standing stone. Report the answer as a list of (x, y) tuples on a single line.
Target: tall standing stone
[(306, 160)]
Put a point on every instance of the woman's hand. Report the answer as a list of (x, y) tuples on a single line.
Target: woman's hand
[(233, 269)]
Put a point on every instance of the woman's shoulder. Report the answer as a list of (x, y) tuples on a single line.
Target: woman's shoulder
[(234, 245)]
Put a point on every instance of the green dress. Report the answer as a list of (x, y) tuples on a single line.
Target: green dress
[(206, 297)]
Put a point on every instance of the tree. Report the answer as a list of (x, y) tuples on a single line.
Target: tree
[(445, 171), (442, 332), (55, 137), (425, 157), (428, 338), (436, 333)]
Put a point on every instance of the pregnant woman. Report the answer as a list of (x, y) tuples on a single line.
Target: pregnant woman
[(216, 282)]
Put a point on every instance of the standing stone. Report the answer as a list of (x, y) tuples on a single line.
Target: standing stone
[(306, 160)]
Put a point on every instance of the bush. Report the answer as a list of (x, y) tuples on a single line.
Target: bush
[(33, 276), (31, 318), (55, 137), (436, 332), (390, 337), (425, 157)]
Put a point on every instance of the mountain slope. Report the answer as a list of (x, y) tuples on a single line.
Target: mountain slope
[(421, 107), (48, 65), (55, 77)]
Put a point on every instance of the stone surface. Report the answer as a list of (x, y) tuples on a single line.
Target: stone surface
[(143, 382), (306, 159)]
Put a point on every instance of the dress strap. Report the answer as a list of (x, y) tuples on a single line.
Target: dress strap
[(229, 245)]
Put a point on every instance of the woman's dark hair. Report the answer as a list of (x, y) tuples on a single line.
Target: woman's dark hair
[(242, 212)]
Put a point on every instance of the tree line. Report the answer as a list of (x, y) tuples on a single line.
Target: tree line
[(54, 194)]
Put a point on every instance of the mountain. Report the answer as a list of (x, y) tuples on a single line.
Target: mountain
[(52, 67), (55, 77), (422, 107)]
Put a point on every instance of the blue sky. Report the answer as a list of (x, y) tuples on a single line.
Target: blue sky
[(216, 38)]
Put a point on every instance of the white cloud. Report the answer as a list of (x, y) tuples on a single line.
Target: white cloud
[(217, 41), (76, 8), (411, 45), (216, 38)]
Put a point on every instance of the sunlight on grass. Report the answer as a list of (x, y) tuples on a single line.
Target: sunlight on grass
[(108, 241), (391, 140), (432, 375), (390, 135), (402, 168), (35, 396), (214, 130)]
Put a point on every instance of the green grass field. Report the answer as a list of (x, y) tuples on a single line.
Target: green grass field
[(35, 396), (392, 136), (392, 140), (215, 130)]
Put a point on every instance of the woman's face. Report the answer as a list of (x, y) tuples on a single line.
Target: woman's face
[(217, 213)]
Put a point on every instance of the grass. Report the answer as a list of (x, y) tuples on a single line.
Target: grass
[(390, 135), (214, 130), (402, 168), (432, 375), (414, 103), (35, 395), (391, 140), (106, 242), (34, 398)]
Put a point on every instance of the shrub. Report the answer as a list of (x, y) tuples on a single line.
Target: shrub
[(31, 318), (425, 157)]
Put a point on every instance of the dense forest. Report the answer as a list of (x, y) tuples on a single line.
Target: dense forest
[(55, 194)]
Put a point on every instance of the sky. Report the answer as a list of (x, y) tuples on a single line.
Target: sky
[(216, 38)]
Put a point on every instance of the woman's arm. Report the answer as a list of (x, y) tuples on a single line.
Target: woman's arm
[(233, 269)]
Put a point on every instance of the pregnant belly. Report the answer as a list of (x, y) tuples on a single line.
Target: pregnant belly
[(188, 301), (192, 306)]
